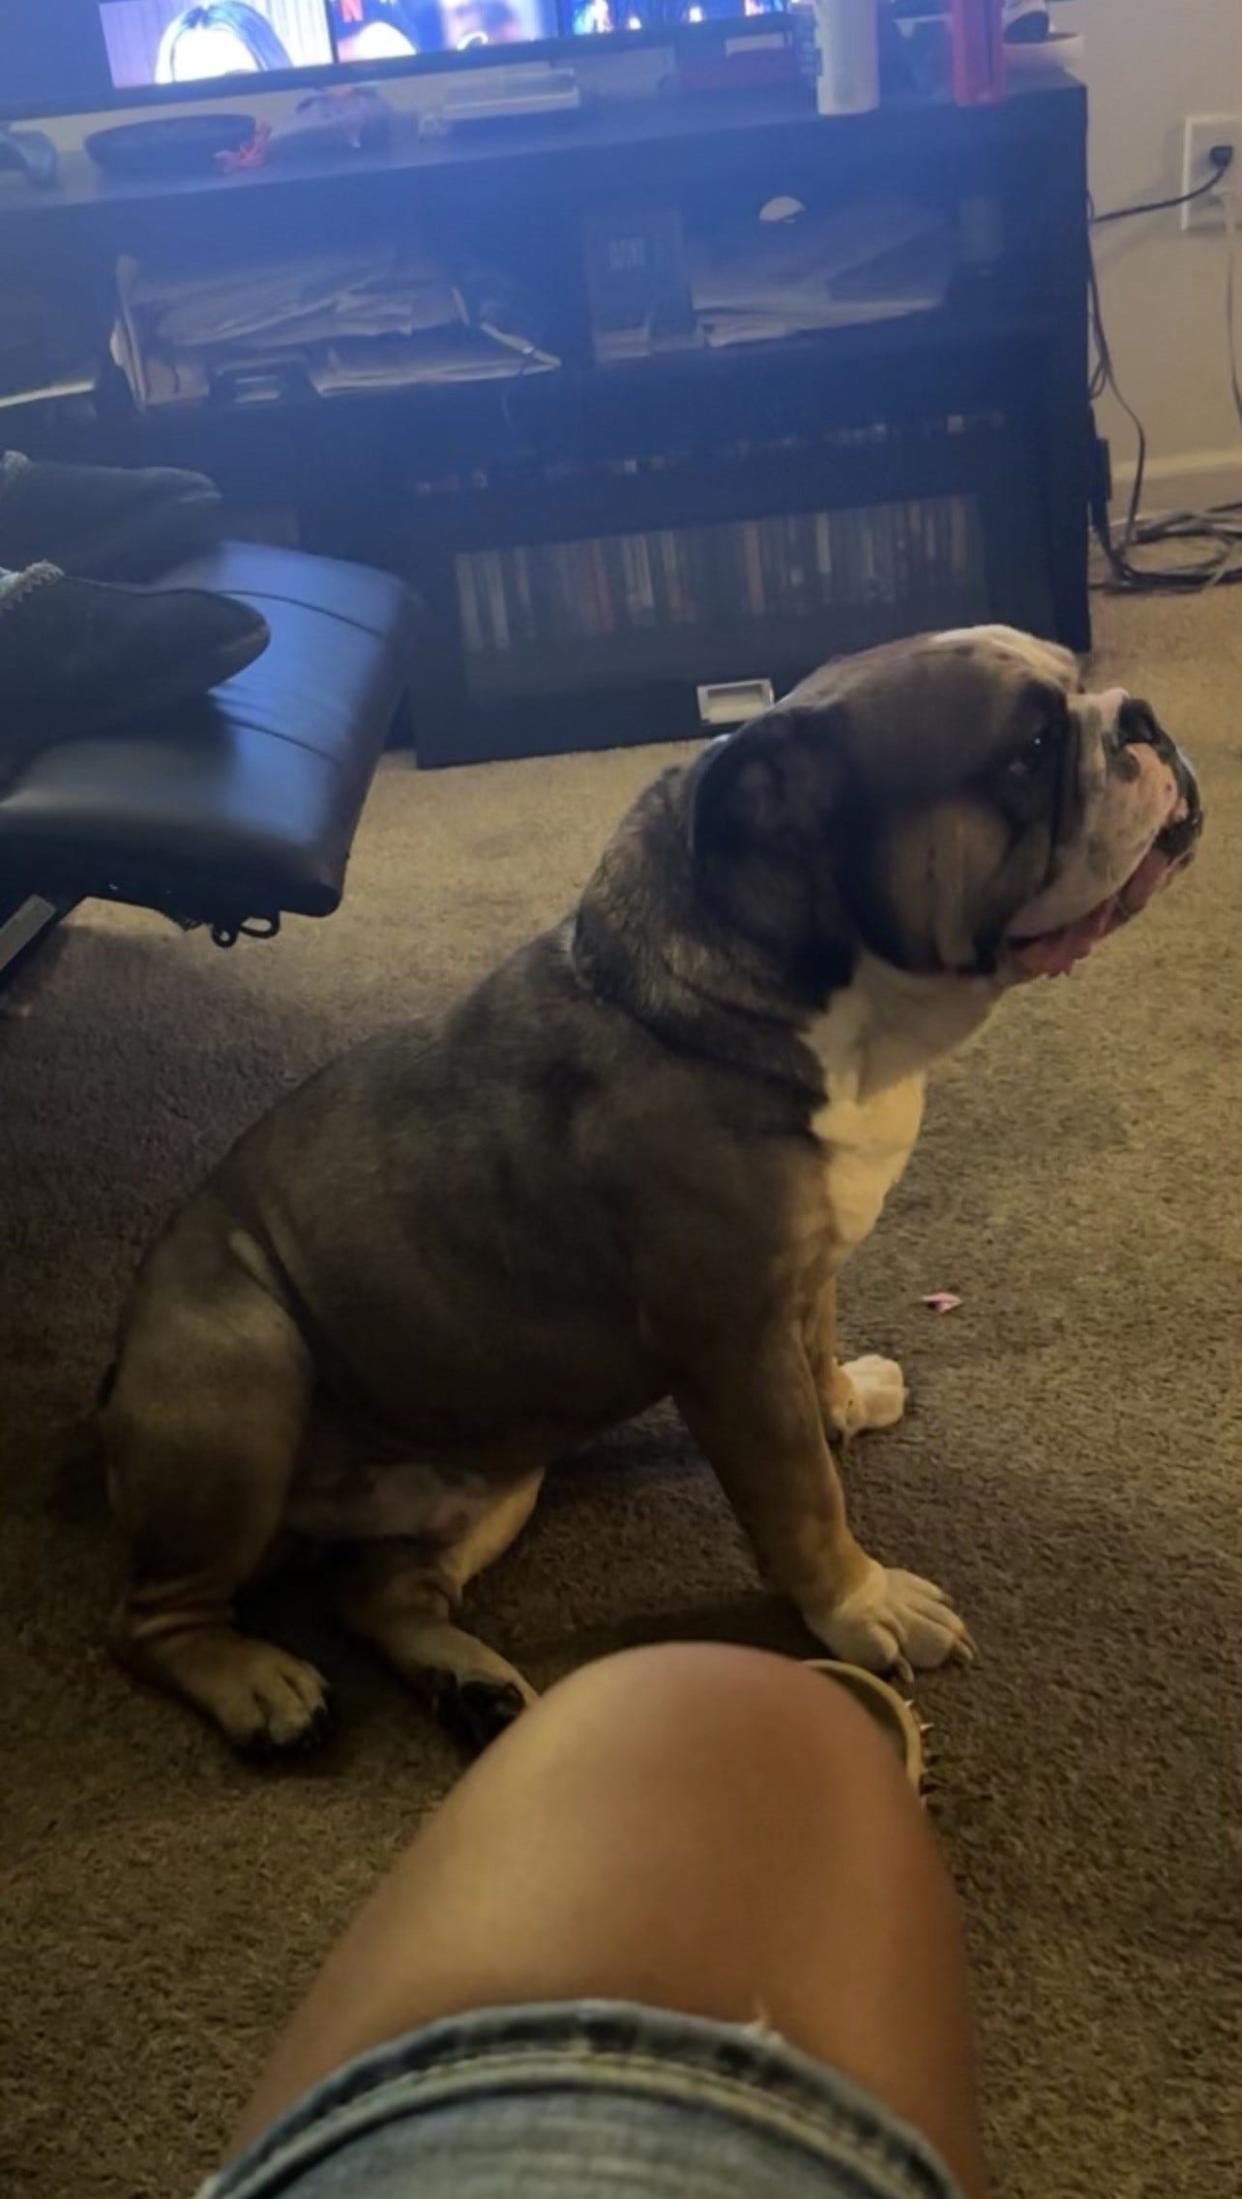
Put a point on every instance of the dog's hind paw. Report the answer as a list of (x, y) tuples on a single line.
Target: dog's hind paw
[(272, 1704), (477, 1711)]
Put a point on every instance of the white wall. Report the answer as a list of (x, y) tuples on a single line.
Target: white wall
[(1148, 64)]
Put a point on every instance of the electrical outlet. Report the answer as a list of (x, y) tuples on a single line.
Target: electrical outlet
[(1202, 133)]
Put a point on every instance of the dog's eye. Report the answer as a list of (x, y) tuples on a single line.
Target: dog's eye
[(1034, 758)]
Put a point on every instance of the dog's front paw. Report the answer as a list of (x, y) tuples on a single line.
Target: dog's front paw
[(868, 1393), (271, 1703), (894, 1621)]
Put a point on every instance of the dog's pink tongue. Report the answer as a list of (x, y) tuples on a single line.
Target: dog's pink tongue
[(1154, 871), (1055, 954)]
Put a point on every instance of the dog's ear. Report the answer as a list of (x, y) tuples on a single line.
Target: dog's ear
[(772, 785)]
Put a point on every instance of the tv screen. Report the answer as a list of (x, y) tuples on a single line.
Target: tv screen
[(162, 42), (369, 31), (66, 54)]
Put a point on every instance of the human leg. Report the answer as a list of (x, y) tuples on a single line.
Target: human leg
[(700, 1829)]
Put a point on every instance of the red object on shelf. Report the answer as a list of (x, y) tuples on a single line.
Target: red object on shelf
[(977, 32)]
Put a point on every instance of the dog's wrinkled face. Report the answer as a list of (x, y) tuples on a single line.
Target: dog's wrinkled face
[(978, 809)]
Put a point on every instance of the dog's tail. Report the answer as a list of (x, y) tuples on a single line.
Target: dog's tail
[(106, 1386)]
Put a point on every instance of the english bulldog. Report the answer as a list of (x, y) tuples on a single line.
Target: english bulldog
[(628, 1167)]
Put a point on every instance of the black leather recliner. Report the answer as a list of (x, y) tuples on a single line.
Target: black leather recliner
[(239, 808)]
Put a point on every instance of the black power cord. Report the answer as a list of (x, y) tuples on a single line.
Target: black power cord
[(1220, 525), (1221, 158)]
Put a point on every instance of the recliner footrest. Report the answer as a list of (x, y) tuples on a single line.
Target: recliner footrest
[(244, 805)]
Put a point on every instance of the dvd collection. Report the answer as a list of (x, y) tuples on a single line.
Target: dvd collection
[(788, 566)]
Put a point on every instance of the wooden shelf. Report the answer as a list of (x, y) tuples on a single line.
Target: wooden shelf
[(604, 139), (1006, 355)]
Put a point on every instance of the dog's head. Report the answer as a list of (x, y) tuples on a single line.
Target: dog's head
[(953, 803)]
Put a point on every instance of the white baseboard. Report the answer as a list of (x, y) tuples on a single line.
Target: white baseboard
[(1187, 483)]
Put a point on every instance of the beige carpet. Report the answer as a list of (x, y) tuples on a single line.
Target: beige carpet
[(1070, 1467)]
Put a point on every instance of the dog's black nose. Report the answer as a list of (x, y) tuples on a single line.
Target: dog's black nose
[(1178, 839), (1137, 721)]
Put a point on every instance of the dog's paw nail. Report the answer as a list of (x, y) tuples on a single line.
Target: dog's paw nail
[(477, 1712), (320, 1726), (266, 1746)]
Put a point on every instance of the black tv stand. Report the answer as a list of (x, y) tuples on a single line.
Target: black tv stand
[(817, 493)]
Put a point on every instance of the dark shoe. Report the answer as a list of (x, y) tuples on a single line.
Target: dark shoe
[(101, 522), (77, 656)]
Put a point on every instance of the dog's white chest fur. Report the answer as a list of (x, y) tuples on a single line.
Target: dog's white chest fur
[(874, 1045), (867, 1144)]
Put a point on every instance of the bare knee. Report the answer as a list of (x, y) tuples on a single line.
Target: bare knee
[(699, 1828), (725, 1832), (700, 1707)]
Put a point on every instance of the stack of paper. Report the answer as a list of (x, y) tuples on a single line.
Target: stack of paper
[(450, 354), (875, 260), (329, 322)]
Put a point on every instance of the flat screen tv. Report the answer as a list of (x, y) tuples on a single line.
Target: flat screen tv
[(62, 55)]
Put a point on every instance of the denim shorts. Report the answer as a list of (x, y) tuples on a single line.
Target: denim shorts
[(586, 2100)]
